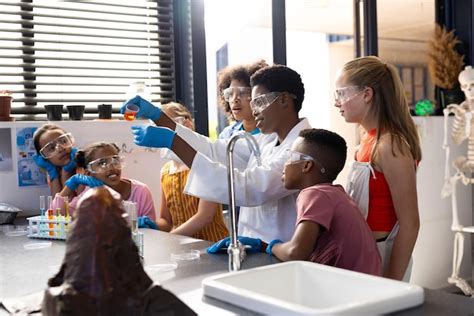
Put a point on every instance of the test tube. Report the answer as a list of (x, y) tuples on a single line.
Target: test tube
[(42, 206), (58, 217), (50, 215), (134, 217)]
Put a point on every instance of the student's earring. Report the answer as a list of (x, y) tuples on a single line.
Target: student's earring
[(323, 170)]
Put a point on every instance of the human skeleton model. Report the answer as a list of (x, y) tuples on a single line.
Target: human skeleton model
[(463, 128)]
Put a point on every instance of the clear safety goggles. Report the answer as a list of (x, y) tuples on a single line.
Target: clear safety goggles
[(232, 93), (263, 101), (344, 94), (292, 156), (51, 148), (105, 163), (181, 119), (295, 157)]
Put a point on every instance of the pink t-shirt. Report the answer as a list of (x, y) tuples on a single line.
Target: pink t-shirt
[(345, 240), (140, 194)]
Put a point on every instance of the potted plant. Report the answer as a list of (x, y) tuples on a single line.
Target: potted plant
[(444, 66), (5, 105)]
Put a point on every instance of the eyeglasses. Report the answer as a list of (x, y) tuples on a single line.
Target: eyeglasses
[(50, 149), (292, 156), (342, 95), (263, 101), (103, 164), (232, 93)]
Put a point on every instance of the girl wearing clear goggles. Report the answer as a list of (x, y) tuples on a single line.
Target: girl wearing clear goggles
[(235, 94), (55, 153), (103, 166)]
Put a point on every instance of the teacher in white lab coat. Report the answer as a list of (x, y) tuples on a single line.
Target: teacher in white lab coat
[(267, 209)]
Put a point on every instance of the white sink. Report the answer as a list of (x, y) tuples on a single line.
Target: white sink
[(306, 288)]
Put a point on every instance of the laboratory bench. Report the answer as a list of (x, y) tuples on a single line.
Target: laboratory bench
[(27, 271)]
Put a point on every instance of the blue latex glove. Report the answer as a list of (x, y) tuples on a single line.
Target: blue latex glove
[(271, 244), (153, 136), (147, 110), (77, 179), (71, 166), (146, 222), (46, 165), (220, 246), (251, 244)]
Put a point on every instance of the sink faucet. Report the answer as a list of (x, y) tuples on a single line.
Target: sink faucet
[(236, 250)]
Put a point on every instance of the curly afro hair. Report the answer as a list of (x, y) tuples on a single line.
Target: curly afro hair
[(280, 78), (238, 72)]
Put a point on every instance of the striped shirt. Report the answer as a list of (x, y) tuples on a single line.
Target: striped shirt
[(182, 206)]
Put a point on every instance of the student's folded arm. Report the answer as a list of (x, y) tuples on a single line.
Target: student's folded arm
[(203, 217), (165, 221), (253, 186), (301, 244)]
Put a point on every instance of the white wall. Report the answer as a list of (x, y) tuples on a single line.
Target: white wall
[(432, 257), (141, 164)]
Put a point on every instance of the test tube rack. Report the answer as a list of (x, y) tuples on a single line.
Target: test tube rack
[(44, 228)]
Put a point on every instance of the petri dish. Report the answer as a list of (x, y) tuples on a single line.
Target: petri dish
[(161, 267), (37, 245), (185, 255)]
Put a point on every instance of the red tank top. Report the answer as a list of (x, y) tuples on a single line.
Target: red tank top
[(381, 215)]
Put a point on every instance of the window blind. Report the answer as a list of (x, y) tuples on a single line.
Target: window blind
[(84, 52)]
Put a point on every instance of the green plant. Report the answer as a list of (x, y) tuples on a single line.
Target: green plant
[(444, 62)]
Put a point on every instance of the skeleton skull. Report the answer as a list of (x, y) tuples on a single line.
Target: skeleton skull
[(466, 79)]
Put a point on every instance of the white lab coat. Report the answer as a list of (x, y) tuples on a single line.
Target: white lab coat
[(267, 209)]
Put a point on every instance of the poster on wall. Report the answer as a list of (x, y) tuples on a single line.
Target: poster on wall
[(6, 162), (29, 174)]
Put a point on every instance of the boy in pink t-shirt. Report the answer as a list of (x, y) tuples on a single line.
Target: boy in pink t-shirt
[(329, 227)]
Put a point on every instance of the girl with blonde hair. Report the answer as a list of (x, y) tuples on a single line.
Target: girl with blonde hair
[(382, 179)]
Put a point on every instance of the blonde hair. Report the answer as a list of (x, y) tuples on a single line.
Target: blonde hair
[(177, 109), (389, 104)]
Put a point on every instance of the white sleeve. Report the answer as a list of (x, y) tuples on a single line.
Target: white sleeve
[(253, 186), (216, 151)]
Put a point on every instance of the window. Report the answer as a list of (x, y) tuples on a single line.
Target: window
[(84, 52)]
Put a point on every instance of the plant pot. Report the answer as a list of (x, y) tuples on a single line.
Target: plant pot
[(54, 112), (76, 112), (5, 108), (105, 111)]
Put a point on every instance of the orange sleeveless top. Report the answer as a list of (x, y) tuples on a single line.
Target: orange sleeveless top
[(183, 206), (381, 215)]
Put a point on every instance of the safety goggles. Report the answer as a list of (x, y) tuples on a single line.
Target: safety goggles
[(292, 156), (232, 93), (51, 148), (295, 157), (344, 94), (263, 101), (181, 119), (105, 163)]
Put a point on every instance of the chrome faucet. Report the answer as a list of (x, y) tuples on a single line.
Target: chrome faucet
[(236, 250)]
